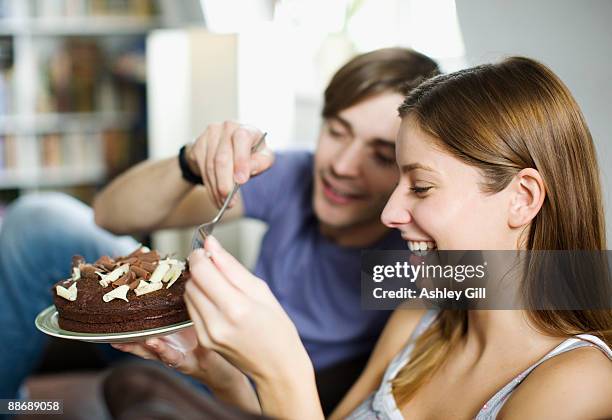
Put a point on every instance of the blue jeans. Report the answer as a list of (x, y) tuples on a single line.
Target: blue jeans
[(38, 238)]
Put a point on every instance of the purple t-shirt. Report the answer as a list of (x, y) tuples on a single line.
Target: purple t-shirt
[(315, 280)]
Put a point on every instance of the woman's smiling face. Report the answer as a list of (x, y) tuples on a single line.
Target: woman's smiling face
[(439, 202)]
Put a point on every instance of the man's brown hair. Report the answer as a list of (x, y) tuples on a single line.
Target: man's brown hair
[(388, 69)]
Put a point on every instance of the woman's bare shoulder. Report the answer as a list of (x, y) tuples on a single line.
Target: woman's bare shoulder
[(393, 339), (574, 384)]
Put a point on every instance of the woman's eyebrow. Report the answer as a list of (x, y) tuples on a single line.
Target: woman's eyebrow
[(412, 166)]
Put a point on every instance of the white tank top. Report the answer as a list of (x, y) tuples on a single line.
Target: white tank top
[(380, 405)]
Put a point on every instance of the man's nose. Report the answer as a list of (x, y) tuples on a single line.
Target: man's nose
[(348, 161), (396, 213)]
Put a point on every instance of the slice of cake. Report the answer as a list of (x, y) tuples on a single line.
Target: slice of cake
[(130, 293)]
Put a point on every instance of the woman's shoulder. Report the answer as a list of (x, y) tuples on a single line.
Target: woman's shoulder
[(404, 325), (401, 326), (573, 384)]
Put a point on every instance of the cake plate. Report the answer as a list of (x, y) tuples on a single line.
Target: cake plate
[(46, 321)]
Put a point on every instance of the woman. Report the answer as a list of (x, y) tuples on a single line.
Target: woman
[(486, 157)]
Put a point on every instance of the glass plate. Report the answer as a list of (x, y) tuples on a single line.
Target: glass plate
[(46, 321)]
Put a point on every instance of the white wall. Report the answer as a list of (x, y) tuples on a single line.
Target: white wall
[(572, 37), (196, 78)]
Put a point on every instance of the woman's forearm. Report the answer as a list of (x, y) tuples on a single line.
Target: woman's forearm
[(291, 394), (240, 394)]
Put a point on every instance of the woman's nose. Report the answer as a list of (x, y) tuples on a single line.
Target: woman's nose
[(396, 213)]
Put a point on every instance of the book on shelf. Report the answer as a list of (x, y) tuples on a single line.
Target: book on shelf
[(80, 8), (2, 153), (116, 151), (106, 153), (6, 75), (70, 77), (8, 152), (78, 75), (75, 115), (6, 93), (51, 151)]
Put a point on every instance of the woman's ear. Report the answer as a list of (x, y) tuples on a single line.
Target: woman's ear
[(528, 193)]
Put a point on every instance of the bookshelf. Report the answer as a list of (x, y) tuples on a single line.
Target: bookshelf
[(72, 92)]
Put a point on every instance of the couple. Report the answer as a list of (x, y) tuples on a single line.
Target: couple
[(484, 157)]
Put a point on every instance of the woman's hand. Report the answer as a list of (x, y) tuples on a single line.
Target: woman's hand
[(182, 352), (222, 155), (236, 314)]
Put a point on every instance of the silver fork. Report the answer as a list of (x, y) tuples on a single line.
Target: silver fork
[(205, 229)]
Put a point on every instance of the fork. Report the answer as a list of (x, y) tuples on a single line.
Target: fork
[(205, 229)]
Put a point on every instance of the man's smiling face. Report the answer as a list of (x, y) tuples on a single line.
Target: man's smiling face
[(355, 168)]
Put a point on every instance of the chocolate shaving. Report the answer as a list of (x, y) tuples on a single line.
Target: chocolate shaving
[(77, 260), (135, 252), (125, 279), (88, 271), (152, 256), (140, 272), (100, 268), (110, 267), (104, 259), (106, 262), (134, 284), (67, 283), (141, 267), (125, 260), (150, 267)]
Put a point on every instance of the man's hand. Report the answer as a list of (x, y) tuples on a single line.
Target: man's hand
[(222, 156)]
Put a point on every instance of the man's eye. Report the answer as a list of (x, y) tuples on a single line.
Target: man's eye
[(335, 133), (384, 160)]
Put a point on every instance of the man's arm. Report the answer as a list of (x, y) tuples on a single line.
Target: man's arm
[(153, 195)]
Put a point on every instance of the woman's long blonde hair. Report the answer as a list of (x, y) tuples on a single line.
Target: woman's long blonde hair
[(501, 118)]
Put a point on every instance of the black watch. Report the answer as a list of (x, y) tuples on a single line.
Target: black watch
[(188, 174)]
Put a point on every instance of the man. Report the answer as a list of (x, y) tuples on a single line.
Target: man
[(321, 211)]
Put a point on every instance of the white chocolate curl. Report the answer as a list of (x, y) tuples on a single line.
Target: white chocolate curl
[(118, 293), (174, 273), (76, 273), (160, 272), (113, 275), (69, 293), (144, 287), (171, 261)]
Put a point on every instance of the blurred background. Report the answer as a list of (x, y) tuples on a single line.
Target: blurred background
[(89, 88)]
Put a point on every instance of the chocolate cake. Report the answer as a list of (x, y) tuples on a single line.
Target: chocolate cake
[(136, 292)]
